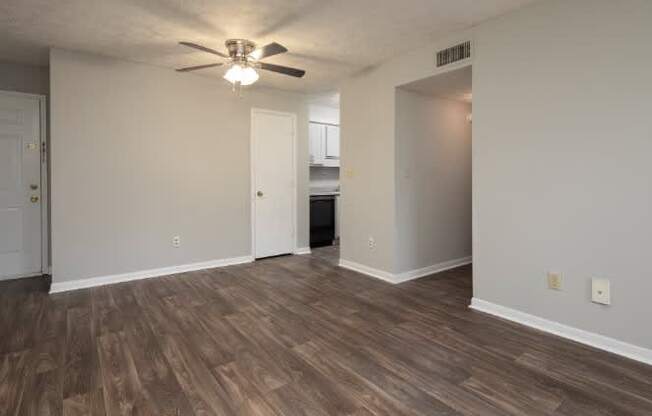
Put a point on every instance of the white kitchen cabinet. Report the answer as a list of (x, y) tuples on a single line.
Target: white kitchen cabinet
[(316, 134), (324, 140), (332, 150)]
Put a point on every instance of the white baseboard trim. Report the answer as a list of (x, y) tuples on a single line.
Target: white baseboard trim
[(302, 250), (58, 287), (369, 271), (435, 268), (396, 278), (21, 276), (601, 342)]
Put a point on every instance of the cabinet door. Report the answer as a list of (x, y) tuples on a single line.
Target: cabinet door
[(316, 136), (332, 142)]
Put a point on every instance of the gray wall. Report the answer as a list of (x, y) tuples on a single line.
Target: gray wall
[(561, 160), (433, 180), (24, 78), (563, 142), (367, 166), (140, 154)]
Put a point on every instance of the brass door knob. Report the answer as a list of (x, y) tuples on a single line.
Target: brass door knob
[(259, 193), (34, 199)]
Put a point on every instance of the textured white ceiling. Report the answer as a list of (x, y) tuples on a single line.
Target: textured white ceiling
[(331, 39), (453, 85)]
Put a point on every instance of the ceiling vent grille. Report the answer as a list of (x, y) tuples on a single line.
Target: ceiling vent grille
[(454, 54)]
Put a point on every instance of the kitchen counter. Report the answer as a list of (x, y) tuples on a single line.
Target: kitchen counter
[(324, 193)]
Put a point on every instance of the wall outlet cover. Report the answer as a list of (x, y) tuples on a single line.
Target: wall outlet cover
[(554, 281), (601, 291)]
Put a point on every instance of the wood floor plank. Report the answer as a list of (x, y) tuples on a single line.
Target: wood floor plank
[(44, 397), (157, 379), (13, 372), (81, 353), (89, 404), (205, 394)]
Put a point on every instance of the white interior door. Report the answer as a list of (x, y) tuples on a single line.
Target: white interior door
[(20, 186), (273, 166)]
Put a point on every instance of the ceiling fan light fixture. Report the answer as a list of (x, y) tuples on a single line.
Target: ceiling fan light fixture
[(245, 75)]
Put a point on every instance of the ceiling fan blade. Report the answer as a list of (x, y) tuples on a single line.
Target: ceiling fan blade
[(204, 49), (194, 68), (286, 70), (268, 50)]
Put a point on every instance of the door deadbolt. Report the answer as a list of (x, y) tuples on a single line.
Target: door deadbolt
[(33, 187), (34, 199), (259, 193)]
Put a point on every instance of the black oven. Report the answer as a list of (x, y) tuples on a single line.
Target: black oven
[(322, 220)]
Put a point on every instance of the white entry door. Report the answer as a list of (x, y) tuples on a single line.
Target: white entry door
[(273, 179), (20, 186)]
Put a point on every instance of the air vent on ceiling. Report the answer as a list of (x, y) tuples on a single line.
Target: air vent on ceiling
[(453, 54)]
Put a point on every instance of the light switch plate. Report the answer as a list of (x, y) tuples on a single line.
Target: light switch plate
[(601, 291)]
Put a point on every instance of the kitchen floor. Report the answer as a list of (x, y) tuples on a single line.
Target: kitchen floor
[(294, 335), (329, 254)]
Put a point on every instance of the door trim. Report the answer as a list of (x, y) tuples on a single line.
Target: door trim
[(252, 182), (43, 143)]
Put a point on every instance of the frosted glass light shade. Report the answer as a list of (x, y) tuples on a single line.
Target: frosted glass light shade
[(245, 75)]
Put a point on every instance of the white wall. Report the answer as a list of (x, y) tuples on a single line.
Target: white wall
[(433, 181), (324, 114), (561, 159), (562, 142), (24, 78), (367, 166), (140, 154)]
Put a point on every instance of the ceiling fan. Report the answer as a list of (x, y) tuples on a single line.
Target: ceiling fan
[(243, 60)]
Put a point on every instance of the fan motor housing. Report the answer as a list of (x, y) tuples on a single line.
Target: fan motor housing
[(239, 48)]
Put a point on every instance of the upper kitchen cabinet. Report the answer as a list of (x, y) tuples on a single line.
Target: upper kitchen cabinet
[(333, 142), (324, 144), (317, 142)]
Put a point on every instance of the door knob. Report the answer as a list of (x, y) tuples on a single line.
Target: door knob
[(34, 199), (259, 193)]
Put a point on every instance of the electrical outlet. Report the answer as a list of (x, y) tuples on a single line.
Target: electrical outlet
[(554, 281), (371, 243), (176, 241), (601, 291)]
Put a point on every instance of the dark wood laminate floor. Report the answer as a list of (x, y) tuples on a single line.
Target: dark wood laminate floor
[(294, 336)]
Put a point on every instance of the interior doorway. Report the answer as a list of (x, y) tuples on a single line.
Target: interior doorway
[(434, 173), (273, 156), (23, 186), (325, 196)]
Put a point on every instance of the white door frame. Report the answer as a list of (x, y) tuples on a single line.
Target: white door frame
[(252, 188), (45, 226)]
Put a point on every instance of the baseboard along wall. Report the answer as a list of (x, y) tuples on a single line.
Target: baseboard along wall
[(66, 286), (598, 341)]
